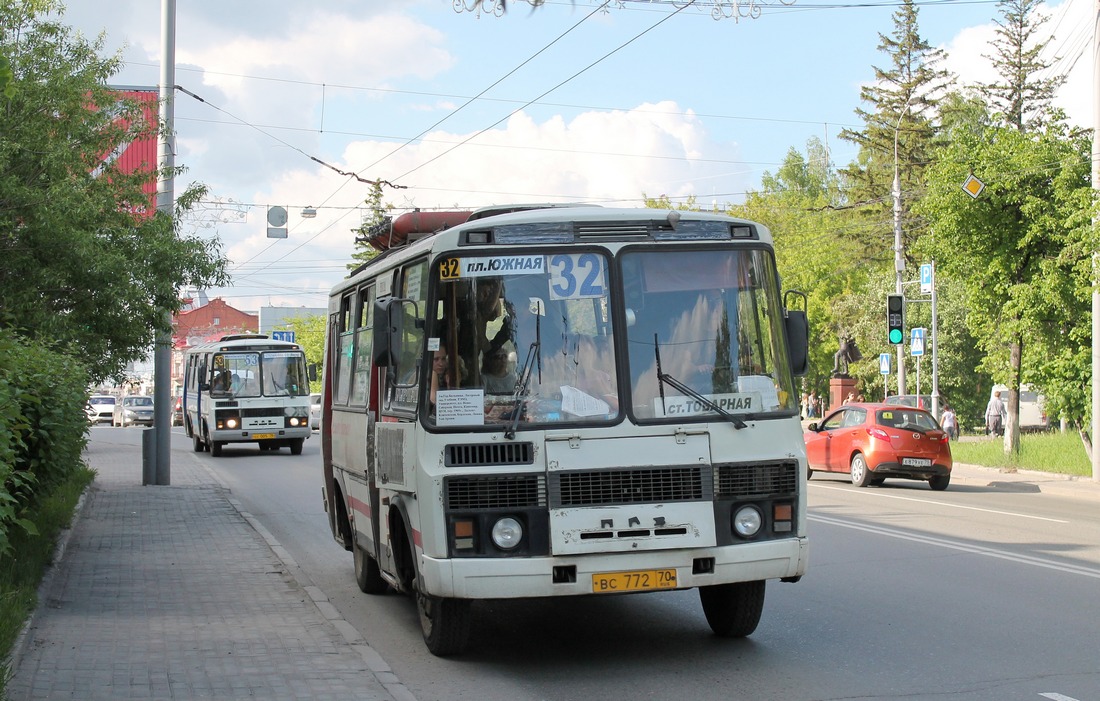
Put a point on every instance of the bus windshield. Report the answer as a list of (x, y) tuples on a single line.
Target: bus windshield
[(523, 339), (260, 374), (710, 320)]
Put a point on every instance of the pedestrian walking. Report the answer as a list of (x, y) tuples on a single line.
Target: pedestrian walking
[(995, 414), (950, 423)]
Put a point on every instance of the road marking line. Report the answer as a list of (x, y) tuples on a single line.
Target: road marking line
[(940, 503), (1057, 697), (965, 547)]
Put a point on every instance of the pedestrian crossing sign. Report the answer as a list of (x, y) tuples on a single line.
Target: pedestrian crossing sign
[(916, 344)]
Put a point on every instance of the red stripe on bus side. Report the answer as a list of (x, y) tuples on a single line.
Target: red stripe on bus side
[(360, 506)]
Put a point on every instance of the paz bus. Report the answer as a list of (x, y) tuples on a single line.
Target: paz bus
[(561, 401), (246, 389)]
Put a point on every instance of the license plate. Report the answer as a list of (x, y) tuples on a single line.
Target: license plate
[(262, 436), (916, 462), (640, 580)]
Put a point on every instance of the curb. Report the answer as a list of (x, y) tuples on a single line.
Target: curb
[(374, 662)]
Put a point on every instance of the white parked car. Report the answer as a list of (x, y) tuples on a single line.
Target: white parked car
[(101, 408), (315, 411)]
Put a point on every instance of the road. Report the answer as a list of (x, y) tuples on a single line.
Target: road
[(984, 591)]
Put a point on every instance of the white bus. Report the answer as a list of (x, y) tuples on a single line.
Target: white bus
[(246, 389), (566, 401)]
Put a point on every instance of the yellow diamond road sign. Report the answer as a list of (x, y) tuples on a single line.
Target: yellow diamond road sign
[(973, 186)]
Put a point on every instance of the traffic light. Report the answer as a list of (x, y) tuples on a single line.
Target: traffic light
[(895, 318)]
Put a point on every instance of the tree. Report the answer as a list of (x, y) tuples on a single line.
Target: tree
[(817, 249), (898, 129), (1017, 247), (1021, 95), (377, 207), (85, 265), (309, 332)]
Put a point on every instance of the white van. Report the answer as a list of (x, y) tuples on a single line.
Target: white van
[(1032, 415)]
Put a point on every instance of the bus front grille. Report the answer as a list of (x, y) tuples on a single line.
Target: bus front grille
[(628, 486), (472, 492), (468, 455), (740, 480)]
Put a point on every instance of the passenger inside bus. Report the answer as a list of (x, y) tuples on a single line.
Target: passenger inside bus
[(498, 371)]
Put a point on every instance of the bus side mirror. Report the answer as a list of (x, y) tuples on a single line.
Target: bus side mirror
[(386, 346), (312, 372), (798, 335)]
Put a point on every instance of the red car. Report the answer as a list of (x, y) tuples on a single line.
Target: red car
[(874, 441)]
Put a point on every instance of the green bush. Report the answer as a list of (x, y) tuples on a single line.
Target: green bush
[(43, 428)]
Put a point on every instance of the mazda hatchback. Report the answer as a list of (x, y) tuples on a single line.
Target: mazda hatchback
[(874, 441)]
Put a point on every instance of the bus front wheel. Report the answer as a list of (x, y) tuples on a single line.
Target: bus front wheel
[(296, 446), (445, 623), (216, 449), (733, 610)]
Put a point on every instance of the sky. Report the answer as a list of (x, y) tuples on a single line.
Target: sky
[(287, 103)]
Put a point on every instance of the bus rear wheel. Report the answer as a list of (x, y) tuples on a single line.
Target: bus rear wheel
[(445, 623), (733, 610), (367, 573), (199, 446)]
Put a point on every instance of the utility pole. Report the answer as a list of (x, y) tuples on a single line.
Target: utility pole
[(899, 259), (166, 163), (1096, 255)]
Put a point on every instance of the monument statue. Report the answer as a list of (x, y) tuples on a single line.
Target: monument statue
[(848, 353)]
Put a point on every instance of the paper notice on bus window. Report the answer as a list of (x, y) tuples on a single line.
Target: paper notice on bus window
[(460, 407), (739, 403), (581, 403), (762, 385)]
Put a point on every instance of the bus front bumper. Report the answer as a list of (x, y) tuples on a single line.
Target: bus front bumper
[(517, 578)]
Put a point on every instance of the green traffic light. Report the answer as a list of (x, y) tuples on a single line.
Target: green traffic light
[(895, 335)]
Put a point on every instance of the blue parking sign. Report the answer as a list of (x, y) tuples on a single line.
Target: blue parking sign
[(925, 278)]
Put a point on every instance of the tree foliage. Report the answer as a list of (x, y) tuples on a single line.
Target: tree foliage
[(1021, 96), (85, 264), (1016, 249)]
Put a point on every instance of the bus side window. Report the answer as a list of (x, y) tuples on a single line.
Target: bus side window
[(363, 347), (346, 348)]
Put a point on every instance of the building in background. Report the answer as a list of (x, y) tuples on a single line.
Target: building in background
[(197, 324), (272, 318)]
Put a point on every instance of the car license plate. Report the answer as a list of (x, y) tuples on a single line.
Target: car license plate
[(916, 462), (640, 580), (262, 436)]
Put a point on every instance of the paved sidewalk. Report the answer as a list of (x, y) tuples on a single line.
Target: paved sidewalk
[(170, 592)]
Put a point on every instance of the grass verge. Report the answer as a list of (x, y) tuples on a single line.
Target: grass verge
[(21, 570), (1052, 451)]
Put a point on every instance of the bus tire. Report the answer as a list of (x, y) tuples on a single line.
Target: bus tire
[(367, 573), (296, 446), (445, 623), (216, 449), (733, 610), (198, 445)]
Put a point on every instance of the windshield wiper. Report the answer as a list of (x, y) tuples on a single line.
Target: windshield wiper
[(663, 377), (523, 384)]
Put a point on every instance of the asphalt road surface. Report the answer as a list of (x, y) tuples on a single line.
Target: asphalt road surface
[(984, 591)]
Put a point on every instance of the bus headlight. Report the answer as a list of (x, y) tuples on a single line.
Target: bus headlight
[(231, 422), (507, 533), (747, 521)]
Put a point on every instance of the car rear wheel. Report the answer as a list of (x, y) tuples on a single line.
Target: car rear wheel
[(861, 476), (733, 610), (939, 482)]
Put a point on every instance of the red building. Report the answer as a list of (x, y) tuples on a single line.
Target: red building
[(206, 323)]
